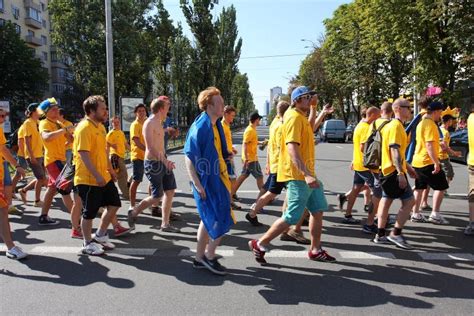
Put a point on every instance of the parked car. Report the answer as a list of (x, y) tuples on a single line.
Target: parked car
[(333, 130), (460, 143), (350, 132)]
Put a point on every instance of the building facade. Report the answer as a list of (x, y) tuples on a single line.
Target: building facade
[(32, 23)]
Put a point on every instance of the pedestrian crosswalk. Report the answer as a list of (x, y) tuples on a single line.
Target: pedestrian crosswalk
[(226, 253)]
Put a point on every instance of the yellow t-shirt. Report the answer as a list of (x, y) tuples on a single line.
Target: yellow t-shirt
[(251, 139), (393, 134), (426, 131), (274, 144), (222, 165), (228, 135), (117, 138), (67, 123), (3, 141), (53, 149), (90, 137), (31, 130), (446, 139), (136, 131), (470, 136), (21, 135), (295, 129), (360, 136)]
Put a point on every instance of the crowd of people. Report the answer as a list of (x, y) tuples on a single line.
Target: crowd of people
[(83, 162)]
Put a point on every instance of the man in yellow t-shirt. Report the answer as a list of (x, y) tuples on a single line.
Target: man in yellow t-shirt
[(427, 165), (251, 166), (272, 186), (227, 119), (94, 177), (118, 145), (445, 150), (69, 138), (13, 251), (362, 175), (137, 152), (34, 151), (296, 166), (469, 230), (22, 160), (53, 133), (394, 169)]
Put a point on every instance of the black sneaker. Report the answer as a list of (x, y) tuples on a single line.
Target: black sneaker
[(342, 199), (213, 265), (235, 198), (45, 220), (198, 265), (253, 220)]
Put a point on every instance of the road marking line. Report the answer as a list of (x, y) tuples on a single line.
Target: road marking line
[(286, 254), (340, 147), (447, 256), (192, 252), (366, 255), (135, 251), (51, 249)]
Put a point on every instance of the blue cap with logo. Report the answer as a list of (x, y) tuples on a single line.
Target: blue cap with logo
[(47, 104), (301, 91)]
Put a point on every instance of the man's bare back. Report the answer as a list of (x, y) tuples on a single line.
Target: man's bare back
[(154, 138)]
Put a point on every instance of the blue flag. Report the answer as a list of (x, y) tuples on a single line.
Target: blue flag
[(215, 210), (411, 132)]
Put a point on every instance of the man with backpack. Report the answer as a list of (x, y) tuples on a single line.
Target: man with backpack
[(363, 175), (394, 179)]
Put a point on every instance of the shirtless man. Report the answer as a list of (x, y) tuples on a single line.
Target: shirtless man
[(158, 169)]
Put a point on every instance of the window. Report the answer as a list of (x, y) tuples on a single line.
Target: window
[(44, 23), (2, 21), (44, 40), (2, 6), (43, 7), (34, 14), (31, 33), (58, 87), (17, 28), (54, 57), (15, 12), (45, 56)]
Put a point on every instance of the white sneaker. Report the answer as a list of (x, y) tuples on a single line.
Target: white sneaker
[(437, 219), (92, 249), (418, 218), (104, 242), (469, 230), (16, 253)]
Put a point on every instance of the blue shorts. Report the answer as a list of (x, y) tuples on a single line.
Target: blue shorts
[(231, 169), (161, 179), (371, 179), (7, 178), (300, 197), (22, 162), (138, 169), (273, 186)]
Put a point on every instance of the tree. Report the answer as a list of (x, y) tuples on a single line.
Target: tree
[(242, 99), (24, 80)]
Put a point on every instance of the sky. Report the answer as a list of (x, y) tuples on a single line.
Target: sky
[(270, 28)]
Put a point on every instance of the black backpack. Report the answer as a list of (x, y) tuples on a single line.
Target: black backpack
[(373, 148)]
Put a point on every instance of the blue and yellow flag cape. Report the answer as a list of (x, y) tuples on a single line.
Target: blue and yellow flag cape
[(215, 210), (411, 132)]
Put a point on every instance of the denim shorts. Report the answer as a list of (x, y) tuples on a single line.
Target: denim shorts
[(138, 170), (371, 179), (161, 179), (300, 197)]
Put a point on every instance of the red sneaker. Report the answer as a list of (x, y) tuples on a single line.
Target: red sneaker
[(320, 256), (258, 253), (119, 230), (76, 234)]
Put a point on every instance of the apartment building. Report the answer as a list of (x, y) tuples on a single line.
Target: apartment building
[(32, 23)]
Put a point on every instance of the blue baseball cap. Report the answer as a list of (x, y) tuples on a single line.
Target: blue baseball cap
[(301, 91), (47, 104), (435, 106)]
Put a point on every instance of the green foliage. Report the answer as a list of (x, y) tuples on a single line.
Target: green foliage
[(24, 80)]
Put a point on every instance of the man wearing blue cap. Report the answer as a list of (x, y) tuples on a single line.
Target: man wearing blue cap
[(428, 166), (296, 166)]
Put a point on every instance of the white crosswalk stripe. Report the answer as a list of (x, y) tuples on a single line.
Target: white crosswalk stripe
[(366, 255)]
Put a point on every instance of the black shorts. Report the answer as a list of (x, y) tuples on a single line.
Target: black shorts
[(94, 197), (426, 178), (391, 188), (273, 186), (161, 179)]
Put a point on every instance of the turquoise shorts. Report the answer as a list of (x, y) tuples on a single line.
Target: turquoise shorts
[(300, 197)]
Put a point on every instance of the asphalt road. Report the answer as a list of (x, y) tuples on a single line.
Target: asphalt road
[(150, 272)]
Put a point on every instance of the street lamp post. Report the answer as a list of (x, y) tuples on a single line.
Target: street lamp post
[(110, 58)]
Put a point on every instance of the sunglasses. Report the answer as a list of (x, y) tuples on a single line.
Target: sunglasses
[(305, 97)]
